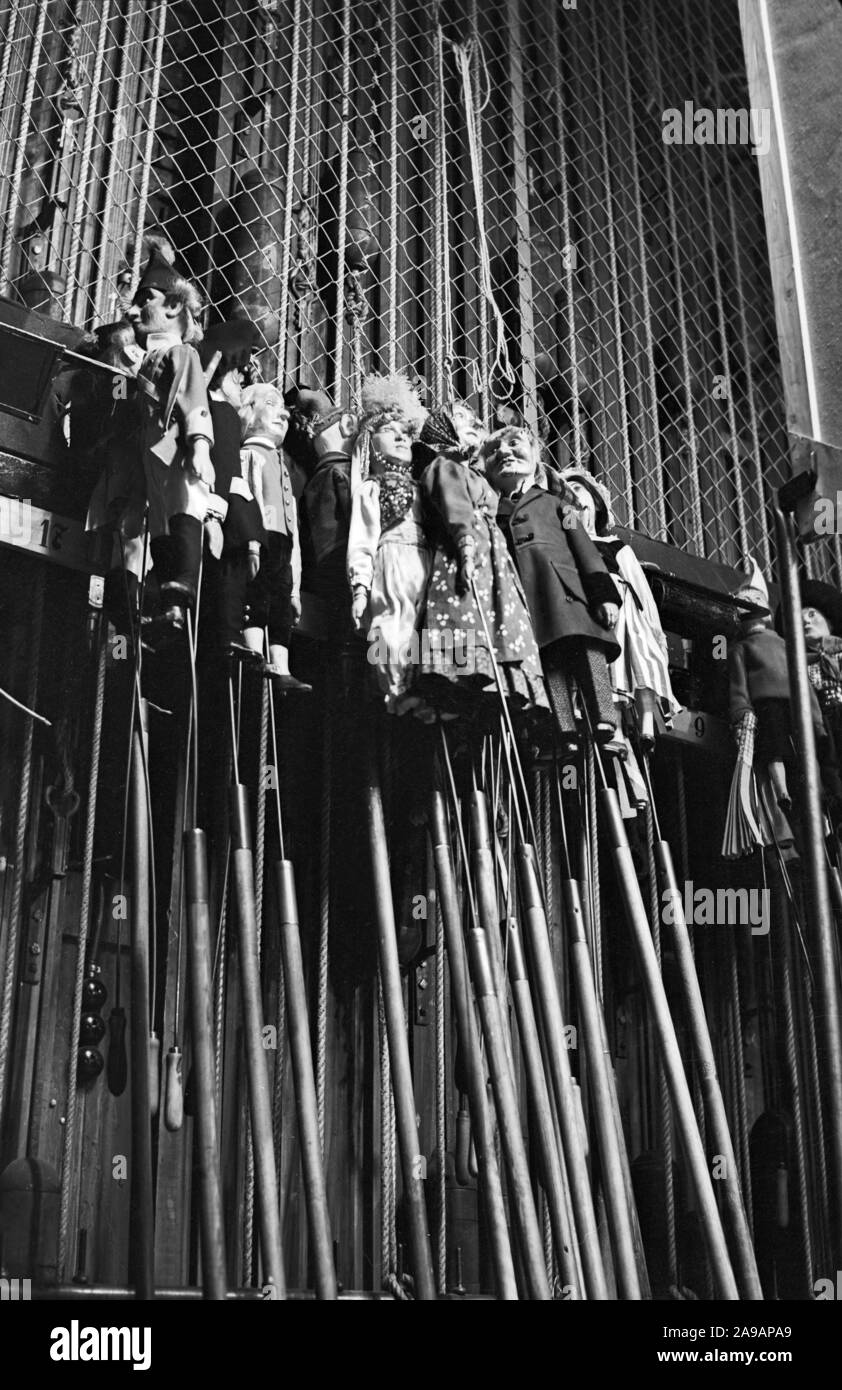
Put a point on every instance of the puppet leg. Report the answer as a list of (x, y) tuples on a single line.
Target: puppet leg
[(558, 689), (280, 614), (595, 682)]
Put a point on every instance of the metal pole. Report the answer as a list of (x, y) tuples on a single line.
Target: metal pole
[(670, 1053), (411, 1162), (549, 1010), (818, 898), (142, 1239), (204, 1066), (708, 1080), (469, 1046), (260, 1103), (315, 1191)]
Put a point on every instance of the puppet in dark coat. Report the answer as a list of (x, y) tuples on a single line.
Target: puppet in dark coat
[(572, 599)]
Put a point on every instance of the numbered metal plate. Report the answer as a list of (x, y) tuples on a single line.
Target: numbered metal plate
[(701, 730), (57, 538)]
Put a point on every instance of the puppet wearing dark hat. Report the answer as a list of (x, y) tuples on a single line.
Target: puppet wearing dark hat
[(234, 528), (572, 598), (821, 614), (176, 430), (320, 440)]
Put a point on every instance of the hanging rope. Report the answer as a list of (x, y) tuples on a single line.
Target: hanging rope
[(342, 213), (8, 50), (10, 976), (819, 1148), (473, 111), (146, 166), (392, 307), (568, 258), (20, 152), (115, 178), (388, 1242), (83, 173), (594, 894), (292, 87), (69, 1138)]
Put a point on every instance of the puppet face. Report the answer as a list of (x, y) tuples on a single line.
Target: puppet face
[(154, 312), (513, 464), (815, 623), (337, 437), (123, 350), (587, 506), (264, 412), (393, 441), (468, 427)]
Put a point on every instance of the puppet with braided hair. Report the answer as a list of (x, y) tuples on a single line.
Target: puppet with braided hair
[(388, 556)]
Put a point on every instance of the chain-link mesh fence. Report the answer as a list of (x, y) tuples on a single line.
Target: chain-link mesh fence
[(480, 193)]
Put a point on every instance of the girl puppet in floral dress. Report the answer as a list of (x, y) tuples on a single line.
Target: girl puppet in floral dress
[(388, 556), (462, 640)]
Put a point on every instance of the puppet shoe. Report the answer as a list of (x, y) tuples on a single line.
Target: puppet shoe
[(605, 733), (238, 652), (285, 684)]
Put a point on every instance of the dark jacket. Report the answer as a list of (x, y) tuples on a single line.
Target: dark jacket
[(243, 521), (560, 568), (758, 670), (325, 514)]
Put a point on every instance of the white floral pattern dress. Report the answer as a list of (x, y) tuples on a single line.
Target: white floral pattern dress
[(388, 553), (455, 648)]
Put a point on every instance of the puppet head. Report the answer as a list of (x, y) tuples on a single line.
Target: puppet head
[(317, 427), (594, 499), (165, 302), (263, 414), (457, 433), (391, 418), (117, 346), (756, 592), (512, 459), (821, 611), (235, 341)]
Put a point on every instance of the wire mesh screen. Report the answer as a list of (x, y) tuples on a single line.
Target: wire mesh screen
[(478, 193)]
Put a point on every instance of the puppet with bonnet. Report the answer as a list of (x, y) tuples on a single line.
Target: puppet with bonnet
[(641, 672), (388, 556)]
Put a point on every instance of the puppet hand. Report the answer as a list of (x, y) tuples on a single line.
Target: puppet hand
[(467, 565), (607, 614), (358, 607), (199, 462), (295, 608), (213, 534), (254, 563)]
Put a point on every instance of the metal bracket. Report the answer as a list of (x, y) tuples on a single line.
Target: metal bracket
[(814, 493), (423, 992)]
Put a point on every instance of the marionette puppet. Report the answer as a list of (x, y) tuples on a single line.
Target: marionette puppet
[(761, 799), (388, 563), (273, 597), (234, 531), (118, 501), (176, 433), (641, 672), (320, 440), (475, 612), (572, 599)]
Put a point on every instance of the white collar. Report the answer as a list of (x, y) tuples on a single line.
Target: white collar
[(261, 439), (157, 342)]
